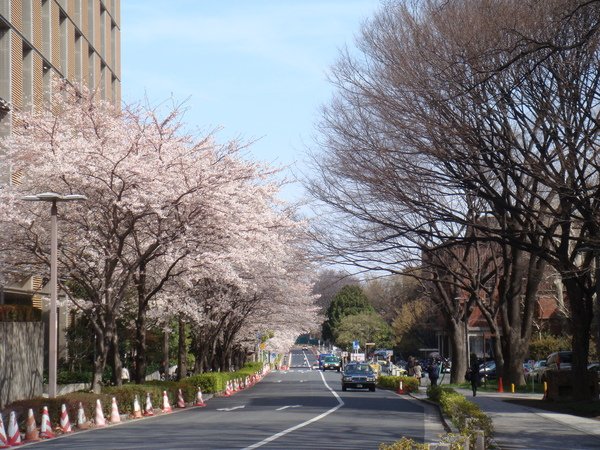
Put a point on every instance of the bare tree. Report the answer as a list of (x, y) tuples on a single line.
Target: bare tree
[(442, 123)]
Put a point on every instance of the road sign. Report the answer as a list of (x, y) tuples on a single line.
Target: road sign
[(355, 345)]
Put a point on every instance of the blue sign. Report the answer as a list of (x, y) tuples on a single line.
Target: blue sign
[(355, 345)]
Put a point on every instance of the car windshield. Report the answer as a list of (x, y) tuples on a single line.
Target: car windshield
[(361, 368), (331, 359)]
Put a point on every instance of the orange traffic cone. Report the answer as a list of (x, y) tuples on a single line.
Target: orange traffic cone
[(137, 410), (82, 422), (115, 417), (401, 388), (31, 434), (99, 419), (166, 405), (180, 400), (3, 438), (14, 435), (500, 387), (149, 410), (46, 426), (199, 400), (65, 423)]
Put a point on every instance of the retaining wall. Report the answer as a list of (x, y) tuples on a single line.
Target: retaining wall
[(21, 360)]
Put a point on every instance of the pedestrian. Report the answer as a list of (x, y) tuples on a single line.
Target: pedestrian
[(410, 367), (434, 372), (124, 375), (418, 372), (474, 373)]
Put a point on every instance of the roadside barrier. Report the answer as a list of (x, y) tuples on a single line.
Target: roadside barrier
[(500, 386), (149, 409), (31, 434), (99, 419), (115, 417), (199, 400), (137, 410), (65, 423), (166, 406), (3, 438), (82, 422), (46, 426), (180, 400), (14, 435)]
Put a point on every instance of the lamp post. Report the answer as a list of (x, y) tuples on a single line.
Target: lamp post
[(54, 198)]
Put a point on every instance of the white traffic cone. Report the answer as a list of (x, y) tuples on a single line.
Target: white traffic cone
[(137, 410), (46, 426), (149, 410), (99, 419), (3, 438), (14, 435), (199, 400), (115, 417), (82, 422), (227, 389), (65, 423), (31, 434), (180, 400), (166, 406)]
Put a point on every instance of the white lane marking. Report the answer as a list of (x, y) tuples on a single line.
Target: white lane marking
[(289, 406), (303, 424), (232, 408), (278, 381)]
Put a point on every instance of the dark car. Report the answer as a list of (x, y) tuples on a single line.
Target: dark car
[(331, 363), (321, 357), (359, 376)]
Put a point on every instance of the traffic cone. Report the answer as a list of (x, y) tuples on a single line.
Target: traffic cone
[(31, 434), (65, 423), (137, 410), (401, 388), (46, 426), (180, 400), (115, 417), (199, 400), (166, 406), (227, 389), (82, 422), (14, 435), (3, 438), (149, 410), (99, 419), (500, 387)]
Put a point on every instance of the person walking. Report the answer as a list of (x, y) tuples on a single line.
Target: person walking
[(474, 373), (434, 372), (418, 372)]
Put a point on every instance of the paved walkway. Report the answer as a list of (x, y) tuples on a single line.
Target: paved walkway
[(523, 427)]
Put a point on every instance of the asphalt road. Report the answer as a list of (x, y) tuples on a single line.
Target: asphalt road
[(295, 409)]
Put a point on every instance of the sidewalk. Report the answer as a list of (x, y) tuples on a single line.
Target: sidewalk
[(522, 427)]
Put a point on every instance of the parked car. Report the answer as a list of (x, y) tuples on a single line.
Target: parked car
[(536, 372), (358, 376), (331, 363), (487, 370), (560, 360)]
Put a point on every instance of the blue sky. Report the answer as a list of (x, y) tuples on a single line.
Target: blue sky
[(256, 68)]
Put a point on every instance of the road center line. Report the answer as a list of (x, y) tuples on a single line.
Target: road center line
[(303, 424)]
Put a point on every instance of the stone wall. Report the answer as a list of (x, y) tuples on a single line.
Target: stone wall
[(21, 360)]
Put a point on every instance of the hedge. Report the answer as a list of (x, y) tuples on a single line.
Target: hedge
[(409, 384), (465, 415)]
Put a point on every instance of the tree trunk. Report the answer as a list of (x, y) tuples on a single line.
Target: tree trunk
[(99, 361), (182, 351), (117, 366), (165, 361), (140, 348), (458, 336)]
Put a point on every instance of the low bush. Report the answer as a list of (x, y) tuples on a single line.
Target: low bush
[(409, 384), (465, 415), (125, 395), (68, 377), (404, 444)]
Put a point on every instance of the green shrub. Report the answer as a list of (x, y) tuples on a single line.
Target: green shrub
[(409, 384), (404, 444), (465, 415), (540, 348), (125, 395), (68, 377)]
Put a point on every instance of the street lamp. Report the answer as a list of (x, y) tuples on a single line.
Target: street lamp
[(52, 320)]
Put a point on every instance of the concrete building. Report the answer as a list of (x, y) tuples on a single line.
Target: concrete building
[(77, 40)]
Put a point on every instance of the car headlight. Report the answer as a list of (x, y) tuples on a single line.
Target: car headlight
[(347, 378), (370, 378)]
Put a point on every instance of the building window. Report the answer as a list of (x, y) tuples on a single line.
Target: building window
[(102, 32), (91, 22), (103, 81), (78, 75), (64, 49), (27, 77), (46, 21), (91, 75), (47, 80), (77, 12)]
